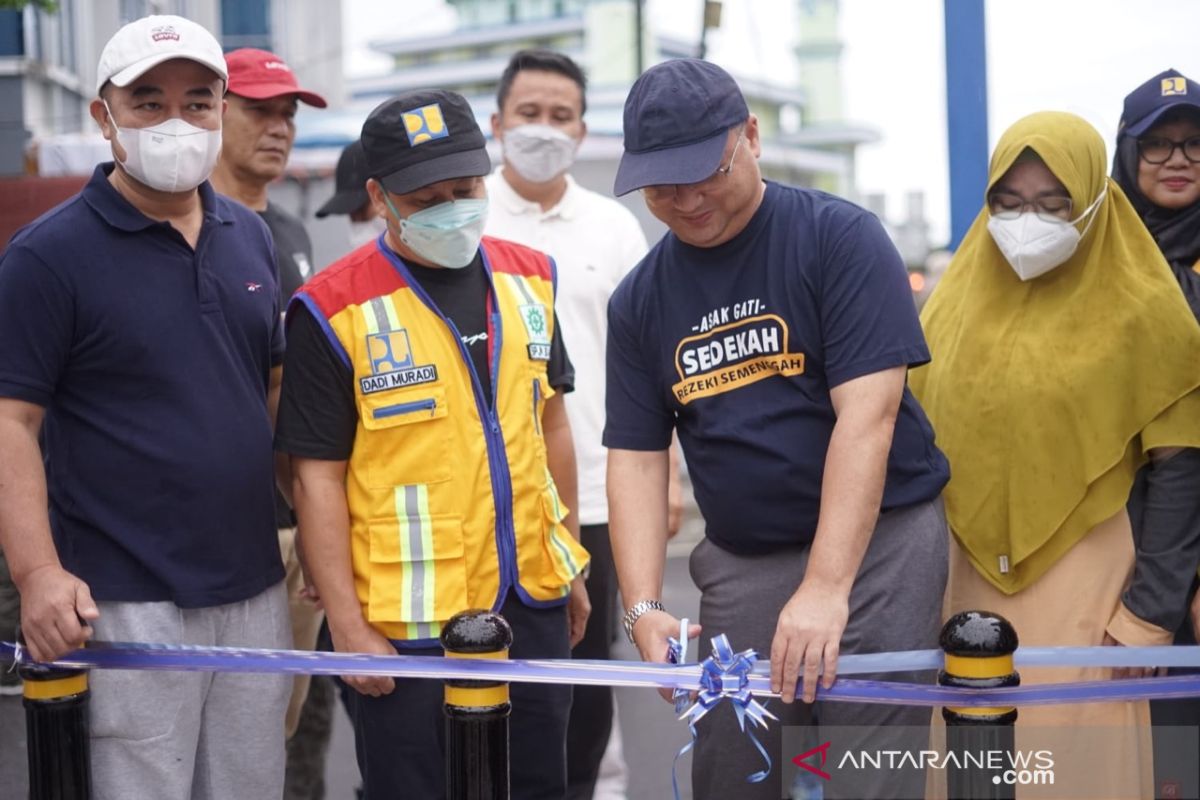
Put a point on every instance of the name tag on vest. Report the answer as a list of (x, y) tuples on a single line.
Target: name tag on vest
[(398, 379), (539, 352)]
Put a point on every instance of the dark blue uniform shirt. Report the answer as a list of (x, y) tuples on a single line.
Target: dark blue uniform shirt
[(738, 347), (152, 362)]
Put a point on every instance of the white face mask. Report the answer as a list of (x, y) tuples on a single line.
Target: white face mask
[(173, 156), (364, 232), (539, 153), (1033, 246), (447, 234)]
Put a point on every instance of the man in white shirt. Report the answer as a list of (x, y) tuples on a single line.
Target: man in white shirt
[(595, 241)]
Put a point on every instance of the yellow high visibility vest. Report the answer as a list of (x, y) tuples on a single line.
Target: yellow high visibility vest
[(451, 500)]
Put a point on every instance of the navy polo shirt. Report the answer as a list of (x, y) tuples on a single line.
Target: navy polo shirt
[(152, 362), (738, 346)]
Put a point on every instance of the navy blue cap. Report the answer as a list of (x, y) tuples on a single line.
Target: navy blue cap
[(677, 116), (1145, 104)]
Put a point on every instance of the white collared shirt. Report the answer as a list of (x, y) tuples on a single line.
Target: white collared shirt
[(595, 241)]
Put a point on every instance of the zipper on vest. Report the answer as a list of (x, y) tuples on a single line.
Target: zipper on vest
[(429, 405), (501, 478), (537, 395)]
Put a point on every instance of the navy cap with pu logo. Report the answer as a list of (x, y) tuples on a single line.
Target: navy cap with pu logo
[(1146, 104), (422, 137)]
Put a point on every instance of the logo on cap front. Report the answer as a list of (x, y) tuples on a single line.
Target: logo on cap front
[(276, 65), (1171, 86), (164, 33), (425, 124)]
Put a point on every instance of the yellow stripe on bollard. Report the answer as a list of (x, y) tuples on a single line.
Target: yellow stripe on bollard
[(473, 696), (497, 654), (979, 711), (477, 697), (985, 667), (54, 689)]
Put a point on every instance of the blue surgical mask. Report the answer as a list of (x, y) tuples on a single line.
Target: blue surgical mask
[(447, 234)]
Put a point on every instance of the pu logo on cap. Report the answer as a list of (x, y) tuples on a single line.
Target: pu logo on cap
[(1172, 86), (164, 33), (425, 124)]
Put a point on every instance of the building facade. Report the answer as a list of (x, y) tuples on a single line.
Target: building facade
[(48, 60), (602, 35)]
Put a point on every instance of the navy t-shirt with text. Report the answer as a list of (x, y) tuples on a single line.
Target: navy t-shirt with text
[(737, 346)]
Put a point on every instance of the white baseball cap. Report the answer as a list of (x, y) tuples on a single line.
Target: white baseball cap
[(147, 42)]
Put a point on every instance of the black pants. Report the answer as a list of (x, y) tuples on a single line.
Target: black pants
[(399, 738), (1171, 765), (592, 709)]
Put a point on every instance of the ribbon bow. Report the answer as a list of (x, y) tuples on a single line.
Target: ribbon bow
[(725, 675)]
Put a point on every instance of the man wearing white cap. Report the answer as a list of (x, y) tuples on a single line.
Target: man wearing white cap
[(142, 334)]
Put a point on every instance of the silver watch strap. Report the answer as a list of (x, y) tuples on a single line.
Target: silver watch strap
[(635, 612)]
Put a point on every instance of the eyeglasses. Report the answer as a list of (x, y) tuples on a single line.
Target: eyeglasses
[(1008, 205), (1158, 150), (662, 191)]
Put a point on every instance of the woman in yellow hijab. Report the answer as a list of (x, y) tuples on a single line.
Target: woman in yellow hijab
[(1064, 357)]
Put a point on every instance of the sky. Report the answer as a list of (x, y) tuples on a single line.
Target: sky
[(1081, 56)]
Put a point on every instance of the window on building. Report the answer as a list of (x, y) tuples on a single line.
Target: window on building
[(66, 35), (527, 10), (482, 13), (246, 23), (12, 33)]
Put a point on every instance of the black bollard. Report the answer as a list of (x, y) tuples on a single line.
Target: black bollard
[(56, 724), (979, 650), (477, 711)]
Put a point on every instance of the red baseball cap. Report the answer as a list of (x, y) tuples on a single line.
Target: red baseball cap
[(260, 75)]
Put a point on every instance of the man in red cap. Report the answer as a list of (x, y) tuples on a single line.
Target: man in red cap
[(258, 131)]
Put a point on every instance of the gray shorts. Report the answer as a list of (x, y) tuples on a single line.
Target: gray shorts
[(896, 604), (190, 735)]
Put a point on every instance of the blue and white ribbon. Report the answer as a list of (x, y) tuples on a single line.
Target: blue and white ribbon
[(726, 676), (685, 677), (723, 676)]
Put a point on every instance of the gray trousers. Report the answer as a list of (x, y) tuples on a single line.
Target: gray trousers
[(896, 604), (191, 735)]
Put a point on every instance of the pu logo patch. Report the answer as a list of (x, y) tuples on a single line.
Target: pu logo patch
[(251, 286), (389, 351), (425, 124), (1174, 86), (392, 367), (164, 33)]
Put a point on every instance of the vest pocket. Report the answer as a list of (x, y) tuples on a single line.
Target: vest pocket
[(411, 433), (418, 570)]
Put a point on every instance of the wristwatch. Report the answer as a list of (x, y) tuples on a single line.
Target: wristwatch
[(635, 611)]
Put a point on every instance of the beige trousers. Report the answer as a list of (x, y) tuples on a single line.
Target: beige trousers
[(1100, 750), (306, 624)]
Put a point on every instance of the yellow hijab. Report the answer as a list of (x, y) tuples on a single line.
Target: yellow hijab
[(1046, 395)]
